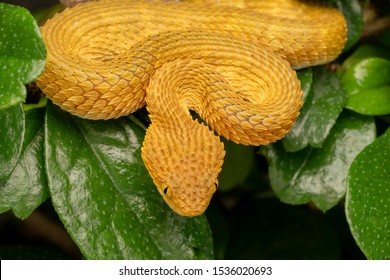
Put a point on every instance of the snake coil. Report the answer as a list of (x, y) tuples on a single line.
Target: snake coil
[(233, 65)]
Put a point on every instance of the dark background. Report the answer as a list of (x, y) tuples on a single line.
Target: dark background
[(32, 5)]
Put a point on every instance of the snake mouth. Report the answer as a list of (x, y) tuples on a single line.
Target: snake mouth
[(188, 206), (187, 209), (194, 211)]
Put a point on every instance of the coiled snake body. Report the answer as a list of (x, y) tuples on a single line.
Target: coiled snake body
[(232, 66)]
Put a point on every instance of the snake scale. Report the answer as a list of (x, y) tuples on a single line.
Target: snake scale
[(229, 61)]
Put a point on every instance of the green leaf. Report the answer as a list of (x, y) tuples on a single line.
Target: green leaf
[(368, 86), (26, 187), (373, 102), (11, 140), (319, 113), (105, 197), (305, 76), (319, 174), (368, 199), (364, 51), (22, 53), (292, 141), (354, 16)]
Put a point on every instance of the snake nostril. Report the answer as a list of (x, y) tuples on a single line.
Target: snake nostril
[(166, 190)]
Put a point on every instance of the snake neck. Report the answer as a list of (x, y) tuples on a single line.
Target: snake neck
[(183, 156)]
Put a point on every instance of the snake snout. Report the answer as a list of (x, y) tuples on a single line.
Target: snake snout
[(188, 189), (190, 202)]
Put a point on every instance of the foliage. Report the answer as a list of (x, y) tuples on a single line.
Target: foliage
[(94, 176), (22, 54), (368, 200), (100, 186)]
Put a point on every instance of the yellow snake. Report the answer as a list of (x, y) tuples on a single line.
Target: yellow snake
[(231, 64)]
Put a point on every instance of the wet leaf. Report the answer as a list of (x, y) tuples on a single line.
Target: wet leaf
[(305, 76), (22, 53), (319, 174), (324, 102), (11, 140), (26, 187), (368, 199), (368, 85), (105, 197), (364, 51)]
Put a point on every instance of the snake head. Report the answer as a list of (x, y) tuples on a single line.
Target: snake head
[(184, 165), (188, 203)]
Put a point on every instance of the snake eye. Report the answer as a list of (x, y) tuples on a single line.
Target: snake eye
[(166, 190)]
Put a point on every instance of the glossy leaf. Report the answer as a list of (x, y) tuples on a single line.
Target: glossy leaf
[(105, 197), (292, 140), (305, 77), (319, 113), (22, 53), (364, 51), (368, 199), (11, 139), (368, 86), (26, 187), (371, 102), (319, 174)]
